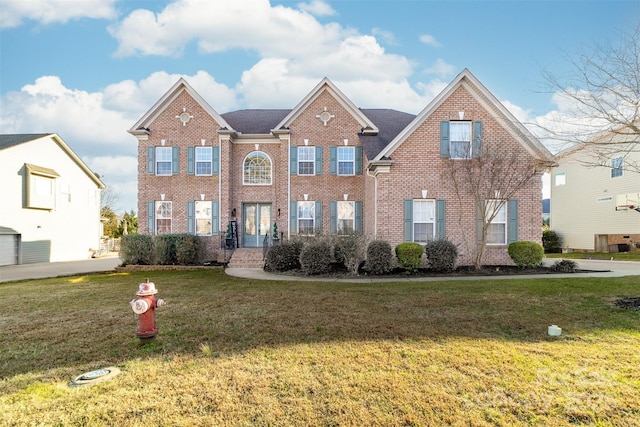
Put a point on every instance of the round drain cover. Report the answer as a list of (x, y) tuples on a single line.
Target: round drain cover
[(94, 377)]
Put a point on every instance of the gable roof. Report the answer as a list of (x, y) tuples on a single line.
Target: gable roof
[(11, 140), (254, 122), (142, 125), (327, 85), (490, 103)]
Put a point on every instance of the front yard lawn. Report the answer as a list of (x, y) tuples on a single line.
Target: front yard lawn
[(240, 352)]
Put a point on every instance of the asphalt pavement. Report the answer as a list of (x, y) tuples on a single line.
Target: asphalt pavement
[(597, 268)]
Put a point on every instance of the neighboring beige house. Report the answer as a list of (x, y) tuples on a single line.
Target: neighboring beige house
[(50, 207), (329, 166), (596, 208)]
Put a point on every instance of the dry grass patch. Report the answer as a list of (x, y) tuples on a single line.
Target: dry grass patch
[(240, 352)]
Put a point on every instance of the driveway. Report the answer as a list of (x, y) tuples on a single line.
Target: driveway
[(10, 273)]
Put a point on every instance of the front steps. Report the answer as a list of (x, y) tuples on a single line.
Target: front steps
[(246, 258)]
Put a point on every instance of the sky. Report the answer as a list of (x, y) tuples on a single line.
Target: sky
[(89, 69)]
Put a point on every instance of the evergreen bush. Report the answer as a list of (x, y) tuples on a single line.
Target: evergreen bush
[(378, 257), (189, 249), (137, 249), (551, 242), (315, 257), (165, 248), (350, 250), (526, 254), (283, 257), (442, 255), (409, 254), (565, 266)]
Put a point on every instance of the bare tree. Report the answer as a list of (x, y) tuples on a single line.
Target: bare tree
[(490, 181), (601, 102)]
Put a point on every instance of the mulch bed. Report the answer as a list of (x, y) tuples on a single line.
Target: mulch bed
[(632, 303)]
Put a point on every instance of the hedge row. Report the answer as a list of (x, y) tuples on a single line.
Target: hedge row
[(165, 249)]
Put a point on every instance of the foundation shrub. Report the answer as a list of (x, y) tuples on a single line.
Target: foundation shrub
[(442, 255), (409, 254), (378, 257), (189, 249), (565, 266), (350, 250), (165, 245), (283, 257), (137, 249), (551, 242), (315, 257), (526, 254)]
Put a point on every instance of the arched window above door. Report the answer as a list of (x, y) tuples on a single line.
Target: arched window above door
[(256, 169)]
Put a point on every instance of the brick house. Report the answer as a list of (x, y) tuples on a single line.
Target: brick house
[(328, 166)]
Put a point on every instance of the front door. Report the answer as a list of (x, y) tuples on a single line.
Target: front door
[(256, 218)]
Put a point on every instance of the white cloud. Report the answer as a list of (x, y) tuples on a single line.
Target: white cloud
[(317, 8), (440, 68), (429, 40), (14, 12)]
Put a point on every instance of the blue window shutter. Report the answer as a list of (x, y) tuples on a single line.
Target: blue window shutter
[(479, 222), (444, 140), (408, 220), (318, 160), (441, 232), (318, 222), (215, 221), (358, 169), (191, 217), (477, 139), (512, 226), (175, 165), (151, 160), (293, 160), (293, 217), (215, 160), (333, 158), (358, 217), (191, 160), (333, 217), (151, 210)]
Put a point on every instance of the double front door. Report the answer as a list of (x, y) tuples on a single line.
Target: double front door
[(256, 219)]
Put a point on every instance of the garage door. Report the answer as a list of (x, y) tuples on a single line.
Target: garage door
[(8, 249)]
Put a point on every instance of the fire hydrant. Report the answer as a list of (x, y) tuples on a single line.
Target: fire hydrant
[(144, 306)]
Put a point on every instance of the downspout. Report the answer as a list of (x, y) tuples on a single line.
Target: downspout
[(289, 187), (375, 202), (220, 163)]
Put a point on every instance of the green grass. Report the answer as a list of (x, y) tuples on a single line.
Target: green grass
[(241, 352), (618, 256)]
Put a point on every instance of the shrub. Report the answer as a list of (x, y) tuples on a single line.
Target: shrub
[(551, 242), (137, 249), (442, 255), (315, 257), (526, 254), (378, 257), (409, 254), (565, 266), (350, 250), (283, 257), (189, 249), (165, 245)]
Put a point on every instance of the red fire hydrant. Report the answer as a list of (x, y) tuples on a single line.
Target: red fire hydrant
[(144, 306)]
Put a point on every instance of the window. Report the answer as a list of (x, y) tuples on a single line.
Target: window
[(204, 159), (346, 160), (460, 134), (257, 169), (346, 217), (424, 216), (163, 217), (203, 218), (616, 167), (497, 228), (163, 160), (306, 160), (40, 187), (306, 218), (560, 179)]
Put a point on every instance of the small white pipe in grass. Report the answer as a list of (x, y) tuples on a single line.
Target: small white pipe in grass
[(554, 331)]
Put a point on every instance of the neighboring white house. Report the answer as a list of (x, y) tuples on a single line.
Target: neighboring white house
[(596, 208), (50, 208)]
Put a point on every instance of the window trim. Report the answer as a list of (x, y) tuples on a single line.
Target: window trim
[(559, 179), (312, 217), (352, 218), (209, 162), (352, 150), (312, 151), (156, 218), (157, 160), (206, 203), (469, 141), (244, 168), (414, 221), (616, 167), (504, 204)]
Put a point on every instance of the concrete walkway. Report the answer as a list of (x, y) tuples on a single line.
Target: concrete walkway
[(109, 263)]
